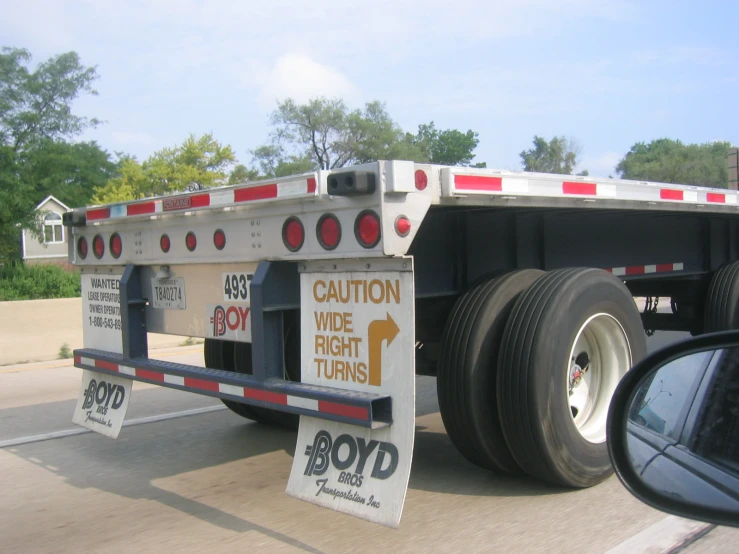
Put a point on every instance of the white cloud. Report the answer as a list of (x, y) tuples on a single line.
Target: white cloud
[(298, 77)]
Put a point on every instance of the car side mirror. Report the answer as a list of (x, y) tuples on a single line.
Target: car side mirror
[(673, 429)]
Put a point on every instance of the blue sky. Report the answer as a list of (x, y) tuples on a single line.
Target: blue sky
[(608, 73)]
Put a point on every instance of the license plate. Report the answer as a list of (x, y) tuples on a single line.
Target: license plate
[(168, 293), (102, 403)]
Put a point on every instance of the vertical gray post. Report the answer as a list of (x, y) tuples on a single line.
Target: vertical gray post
[(133, 314)]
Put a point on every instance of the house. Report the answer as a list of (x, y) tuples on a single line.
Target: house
[(51, 244)]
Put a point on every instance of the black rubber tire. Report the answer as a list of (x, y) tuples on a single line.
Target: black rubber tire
[(722, 300), (243, 364), (219, 354), (533, 379), (467, 371)]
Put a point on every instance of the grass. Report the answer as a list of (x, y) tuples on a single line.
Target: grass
[(65, 352)]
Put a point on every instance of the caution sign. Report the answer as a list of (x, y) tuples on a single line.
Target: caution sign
[(357, 334), (342, 351)]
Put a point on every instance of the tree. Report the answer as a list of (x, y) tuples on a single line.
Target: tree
[(450, 147), (36, 105), (35, 112), (670, 161), (17, 209), (242, 174), (559, 155), (70, 172), (198, 163), (129, 184), (325, 134)]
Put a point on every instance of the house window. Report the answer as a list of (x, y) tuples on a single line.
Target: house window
[(53, 228)]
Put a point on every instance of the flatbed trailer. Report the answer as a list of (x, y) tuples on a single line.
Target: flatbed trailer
[(320, 296)]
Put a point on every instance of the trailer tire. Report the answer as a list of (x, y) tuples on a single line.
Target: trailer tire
[(220, 355), (553, 412), (243, 364), (722, 300), (466, 379)]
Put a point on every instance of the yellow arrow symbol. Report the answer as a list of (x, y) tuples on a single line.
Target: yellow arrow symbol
[(378, 331)]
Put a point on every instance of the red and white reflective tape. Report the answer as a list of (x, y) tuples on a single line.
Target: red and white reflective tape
[(644, 269), (462, 184), (277, 398), (225, 197)]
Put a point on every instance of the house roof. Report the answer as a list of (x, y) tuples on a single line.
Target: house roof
[(50, 197)]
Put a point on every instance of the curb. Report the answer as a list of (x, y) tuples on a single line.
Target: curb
[(65, 362)]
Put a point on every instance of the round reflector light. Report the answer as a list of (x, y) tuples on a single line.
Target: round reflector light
[(402, 226), (190, 241), (293, 234), (329, 231), (219, 239), (116, 245), (82, 247), (98, 246), (164, 243), (367, 229), (422, 179)]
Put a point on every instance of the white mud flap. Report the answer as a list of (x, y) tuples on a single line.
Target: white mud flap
[(102, 404), (103, 399), (357, 327)]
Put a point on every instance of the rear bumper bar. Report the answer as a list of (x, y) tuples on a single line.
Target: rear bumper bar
[(357, 408)]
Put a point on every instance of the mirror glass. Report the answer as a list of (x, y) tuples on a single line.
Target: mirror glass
[(682, 429)]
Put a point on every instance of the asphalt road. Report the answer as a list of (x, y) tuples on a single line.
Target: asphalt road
[(215, 481)]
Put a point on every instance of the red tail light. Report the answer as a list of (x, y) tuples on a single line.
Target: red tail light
[(329, 231), (164, 243), (402, 226), (191, 241), (82, 247), (422, 179), (367, 228), (116, 245), (293, 234), (98, 246), (219, 239)]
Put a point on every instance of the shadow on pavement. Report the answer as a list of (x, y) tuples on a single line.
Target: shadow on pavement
[(142, 455), (439, 467), (129, 467)]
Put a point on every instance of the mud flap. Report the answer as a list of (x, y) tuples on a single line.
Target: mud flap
[(103, 399), (357, 327)]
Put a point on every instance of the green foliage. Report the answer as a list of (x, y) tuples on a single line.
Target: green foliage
[(16, 206), (127, 185), (21, 282), (65, 352), (35, 105), (559, 155), (450, 147), (198, 163), (325, 134), (242, 174), (70, 172), (35, 118), (671, 161)]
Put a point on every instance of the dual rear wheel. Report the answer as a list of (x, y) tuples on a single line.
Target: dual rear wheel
[(528, 366), (237, 357)]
